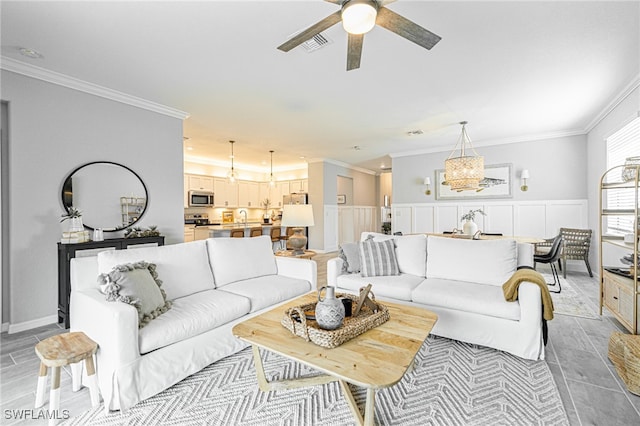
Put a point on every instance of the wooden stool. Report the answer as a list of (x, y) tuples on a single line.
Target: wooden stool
[(58, 351), (624, 353)]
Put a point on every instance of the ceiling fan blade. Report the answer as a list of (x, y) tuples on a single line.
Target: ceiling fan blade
[(305, 35), (339, 2), (354, 51), (406, 28)]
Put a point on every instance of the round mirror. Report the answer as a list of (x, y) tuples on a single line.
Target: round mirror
[(109, 195)]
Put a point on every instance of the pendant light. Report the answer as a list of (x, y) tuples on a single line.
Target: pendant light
[(231, 175), (272, 182), (464, 172)]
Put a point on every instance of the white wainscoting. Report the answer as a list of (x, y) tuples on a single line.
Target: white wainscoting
[(522, 218), (353, 220)]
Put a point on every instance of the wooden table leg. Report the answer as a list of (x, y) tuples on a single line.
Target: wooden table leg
[(54, 396), (94, 391), (369, 409), (42, 383)]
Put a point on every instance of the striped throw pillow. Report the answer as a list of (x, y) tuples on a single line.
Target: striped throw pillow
[(378, 258)]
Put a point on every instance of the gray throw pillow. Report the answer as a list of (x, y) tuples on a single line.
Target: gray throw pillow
[(350, 254), (378, 258), (136, 284)]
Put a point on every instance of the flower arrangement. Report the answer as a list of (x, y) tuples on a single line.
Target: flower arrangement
[(138, 232), (71, 213), (472, 214)]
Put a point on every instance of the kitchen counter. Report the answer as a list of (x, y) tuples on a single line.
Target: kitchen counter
[(218, 231)]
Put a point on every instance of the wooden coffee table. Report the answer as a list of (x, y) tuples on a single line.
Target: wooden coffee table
[(376, 359)]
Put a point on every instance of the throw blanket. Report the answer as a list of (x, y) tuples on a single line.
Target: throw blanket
[(510, 289)]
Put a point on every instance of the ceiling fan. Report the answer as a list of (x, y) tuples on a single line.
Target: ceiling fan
[(359, 17)]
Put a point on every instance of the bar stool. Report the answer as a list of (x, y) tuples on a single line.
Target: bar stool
[(237, 233), (255, 232), (58, 351), (275, 235)]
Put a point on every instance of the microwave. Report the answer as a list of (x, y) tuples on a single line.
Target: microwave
[(200, 199)]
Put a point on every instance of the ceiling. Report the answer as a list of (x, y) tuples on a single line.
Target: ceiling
[(514, 70)]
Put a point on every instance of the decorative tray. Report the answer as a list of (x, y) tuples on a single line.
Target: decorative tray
[(299, 323), (623, 272)]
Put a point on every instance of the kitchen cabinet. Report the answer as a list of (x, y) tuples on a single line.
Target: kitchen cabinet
[(264, 192), (66, 252), (299, 186), (189, 233), (225, 194), (619, 285), (200, 183), (279, 190), (248, 194)]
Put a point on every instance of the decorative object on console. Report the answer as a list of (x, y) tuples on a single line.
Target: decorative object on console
[(464, 172), (297, 216), (136, 284), (630, 168), (329, 310), (469, 227), (138, 232), (427, 183), (231, 174), (524, 176), (75, 232)]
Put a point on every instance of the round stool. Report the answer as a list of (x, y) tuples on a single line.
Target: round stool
[(58, 351)]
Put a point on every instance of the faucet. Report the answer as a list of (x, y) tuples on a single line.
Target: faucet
[(245, 216)]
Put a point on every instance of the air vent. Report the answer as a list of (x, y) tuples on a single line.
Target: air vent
[(318, 41)]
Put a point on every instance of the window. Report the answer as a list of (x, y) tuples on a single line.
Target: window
[(621, 145)]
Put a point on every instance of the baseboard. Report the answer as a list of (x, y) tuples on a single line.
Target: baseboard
[(28, 325), (5, 327)]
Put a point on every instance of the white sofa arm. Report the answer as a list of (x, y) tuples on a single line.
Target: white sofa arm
[(303, 269), (112, 325), (334, 269), (530, 301)]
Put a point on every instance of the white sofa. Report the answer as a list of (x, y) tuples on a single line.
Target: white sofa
[(461, 281), (214, 284)]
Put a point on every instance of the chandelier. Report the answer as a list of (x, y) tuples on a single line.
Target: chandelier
[(231, 175), (464, 172)]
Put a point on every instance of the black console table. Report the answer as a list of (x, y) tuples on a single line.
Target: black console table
[(66, 252)]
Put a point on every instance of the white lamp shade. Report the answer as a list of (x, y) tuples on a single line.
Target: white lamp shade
[(524, 174), (297, 215), (359, 16), (427, 181)]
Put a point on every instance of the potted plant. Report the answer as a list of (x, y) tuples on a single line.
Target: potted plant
[(265, 205), (74, 216), (470, 227)]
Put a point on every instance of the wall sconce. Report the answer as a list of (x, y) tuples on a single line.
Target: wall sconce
[(427, 183), (524, 176)]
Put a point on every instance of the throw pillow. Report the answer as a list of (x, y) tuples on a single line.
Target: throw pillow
[(378, 258), (136, 284), (350, 254)]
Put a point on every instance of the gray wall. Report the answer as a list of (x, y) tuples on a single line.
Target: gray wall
[(558, 169), (53, 130)]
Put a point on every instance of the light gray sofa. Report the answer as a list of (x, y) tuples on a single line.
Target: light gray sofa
[(214, 284), (461, 281)]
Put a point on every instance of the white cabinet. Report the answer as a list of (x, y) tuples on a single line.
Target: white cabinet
[(225, 194), (200, 183), (299, 186), (281, 189), (189, 233), (248, 194)]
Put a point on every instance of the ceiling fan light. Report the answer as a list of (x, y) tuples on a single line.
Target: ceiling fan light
[(359, 16)]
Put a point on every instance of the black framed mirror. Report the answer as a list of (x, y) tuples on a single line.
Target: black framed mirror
[(110, 196)]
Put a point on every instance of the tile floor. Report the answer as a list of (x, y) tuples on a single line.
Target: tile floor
[(577, 355)]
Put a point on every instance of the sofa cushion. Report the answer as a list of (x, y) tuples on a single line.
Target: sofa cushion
[(192, 315), (411, 253), (466, 296), (350, 254), (378, 258), (183, 268), (398, 287), (235, 259), (478, 261), (136, 284), (377, 236), (268, 290)]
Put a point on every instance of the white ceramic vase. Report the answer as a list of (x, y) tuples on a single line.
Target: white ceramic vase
[(75, 224), (469, 227), (329, 311)]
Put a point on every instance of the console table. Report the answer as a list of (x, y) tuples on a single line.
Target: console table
[(66, 252)]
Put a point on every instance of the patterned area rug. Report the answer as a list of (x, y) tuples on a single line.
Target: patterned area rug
[(452, 383), (571, 301)]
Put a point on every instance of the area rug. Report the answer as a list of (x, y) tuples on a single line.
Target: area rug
[(571, 301), (452, 383)]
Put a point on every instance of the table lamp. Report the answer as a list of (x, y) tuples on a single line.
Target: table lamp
[(297, 216)]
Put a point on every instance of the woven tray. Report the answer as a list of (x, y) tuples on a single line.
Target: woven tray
[(296, 322)]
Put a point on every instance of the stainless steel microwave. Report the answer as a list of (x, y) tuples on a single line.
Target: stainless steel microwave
[(200, 199)]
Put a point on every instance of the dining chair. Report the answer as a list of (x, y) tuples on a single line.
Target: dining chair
[(577, 243), (551, 258)]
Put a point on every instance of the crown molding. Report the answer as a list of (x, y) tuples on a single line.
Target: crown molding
[(341, 164), (53, 77), (246, 167), (626, 91)]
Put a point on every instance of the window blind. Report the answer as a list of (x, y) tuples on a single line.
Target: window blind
[(621, 145)]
